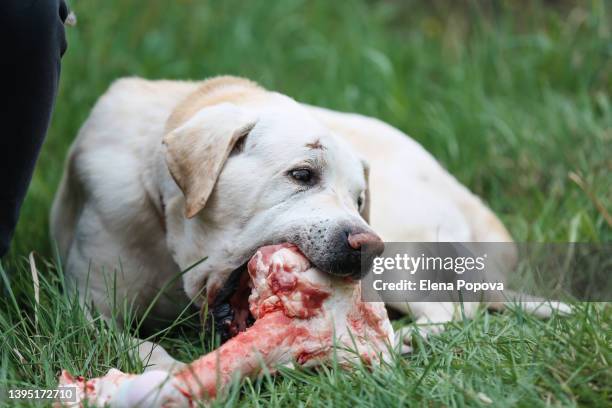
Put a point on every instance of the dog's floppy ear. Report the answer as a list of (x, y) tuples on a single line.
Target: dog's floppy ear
[(197, 150), (365, 210)]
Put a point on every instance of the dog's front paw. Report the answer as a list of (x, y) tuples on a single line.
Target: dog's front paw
[(155, 357)]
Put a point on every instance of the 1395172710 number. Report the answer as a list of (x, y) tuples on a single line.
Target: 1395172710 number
[(65, 394)]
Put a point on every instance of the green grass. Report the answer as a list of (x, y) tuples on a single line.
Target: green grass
[(510, 96)]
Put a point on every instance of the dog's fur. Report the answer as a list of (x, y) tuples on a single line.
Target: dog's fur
[(164, 173)]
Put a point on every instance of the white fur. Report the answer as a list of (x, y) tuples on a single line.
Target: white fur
[(111, 228)]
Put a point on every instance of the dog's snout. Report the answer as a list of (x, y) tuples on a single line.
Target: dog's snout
[(352, 252), (346, 249)]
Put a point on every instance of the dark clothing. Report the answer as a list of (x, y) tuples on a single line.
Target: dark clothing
[(33, 41)]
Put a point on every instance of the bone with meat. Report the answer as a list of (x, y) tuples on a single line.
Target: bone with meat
[(302, 316)]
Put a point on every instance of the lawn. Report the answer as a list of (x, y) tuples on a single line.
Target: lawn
[(512, 97)]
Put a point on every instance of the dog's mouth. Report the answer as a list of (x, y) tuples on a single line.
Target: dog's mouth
[(230, 307)]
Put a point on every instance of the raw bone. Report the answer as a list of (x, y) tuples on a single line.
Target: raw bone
[(302, 315)]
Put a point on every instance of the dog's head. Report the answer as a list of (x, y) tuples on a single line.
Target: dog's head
[(258, 174)]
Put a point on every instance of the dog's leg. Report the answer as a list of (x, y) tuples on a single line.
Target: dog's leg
[(430, 319), (155, 357), (540, 308), (152, 356)]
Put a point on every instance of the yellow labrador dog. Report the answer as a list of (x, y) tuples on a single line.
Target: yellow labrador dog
[(165, 173)]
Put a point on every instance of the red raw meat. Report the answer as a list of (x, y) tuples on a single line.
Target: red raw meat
[(302, 316)]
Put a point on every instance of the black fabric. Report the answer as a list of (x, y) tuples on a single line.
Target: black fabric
[(33, 41)]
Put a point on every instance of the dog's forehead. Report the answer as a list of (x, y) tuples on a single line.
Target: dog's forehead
[(293, 131), (287, 134), (277, 125)]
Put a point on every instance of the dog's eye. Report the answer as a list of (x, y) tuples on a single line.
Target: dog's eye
[(360, 201), (303, 176)]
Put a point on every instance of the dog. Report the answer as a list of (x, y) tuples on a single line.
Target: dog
[(164, 174)]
